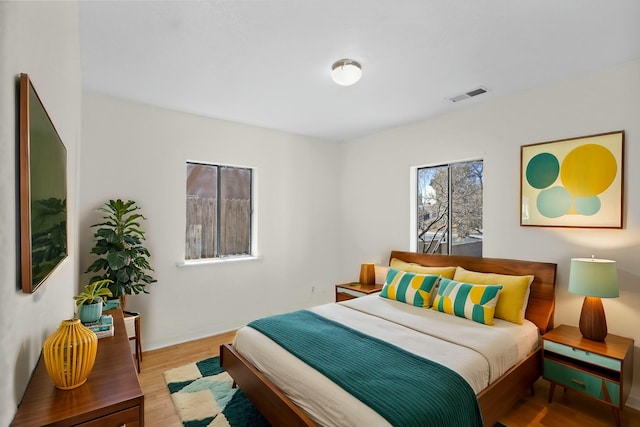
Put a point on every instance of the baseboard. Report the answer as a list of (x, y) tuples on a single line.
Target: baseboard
[(173, 342), (633, 402)]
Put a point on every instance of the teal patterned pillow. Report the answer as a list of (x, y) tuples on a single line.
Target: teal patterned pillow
[(474, 302), (410, 288)]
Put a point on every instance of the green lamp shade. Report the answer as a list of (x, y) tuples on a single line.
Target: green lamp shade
[(593, 277)]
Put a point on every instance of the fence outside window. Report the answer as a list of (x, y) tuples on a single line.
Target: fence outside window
[(219, 211)]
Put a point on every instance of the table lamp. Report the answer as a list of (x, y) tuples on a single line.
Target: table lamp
[(594, 278)]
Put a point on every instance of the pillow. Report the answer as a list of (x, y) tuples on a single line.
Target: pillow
[(514, 294), (446, 272), (410, 288), (473, 302)]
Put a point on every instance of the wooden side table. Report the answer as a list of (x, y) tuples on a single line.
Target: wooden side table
[(111, 397), (347, 291), (603, 370)]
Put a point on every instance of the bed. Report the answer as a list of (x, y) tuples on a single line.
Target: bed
[(307, 398)]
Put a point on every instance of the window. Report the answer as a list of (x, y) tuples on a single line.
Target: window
[(219, 211), (449, 208)]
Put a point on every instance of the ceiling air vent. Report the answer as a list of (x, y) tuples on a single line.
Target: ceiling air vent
[(467, 95)]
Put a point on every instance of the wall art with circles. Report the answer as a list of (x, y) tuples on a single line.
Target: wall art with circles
[(575, 182)]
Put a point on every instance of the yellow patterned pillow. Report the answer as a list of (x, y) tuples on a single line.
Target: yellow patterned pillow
[(515, 290), (410, 288), (474, 302), (446, 272)]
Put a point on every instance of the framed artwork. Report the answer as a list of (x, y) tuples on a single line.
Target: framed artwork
[(575, 182), (43, 190)]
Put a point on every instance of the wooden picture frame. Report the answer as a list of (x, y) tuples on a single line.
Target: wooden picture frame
[(43, 190), (576, 182)]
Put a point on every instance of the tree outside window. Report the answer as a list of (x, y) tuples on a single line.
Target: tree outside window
[(450, 208)]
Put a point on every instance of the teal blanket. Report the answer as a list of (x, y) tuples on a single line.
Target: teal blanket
[(405, 389)]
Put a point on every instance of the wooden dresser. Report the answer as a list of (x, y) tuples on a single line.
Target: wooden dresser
[(111, 396)]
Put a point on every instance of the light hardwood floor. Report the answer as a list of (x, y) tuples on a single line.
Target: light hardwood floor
[(568, 409)]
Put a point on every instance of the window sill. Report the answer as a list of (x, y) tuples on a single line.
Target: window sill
[(209, 261)]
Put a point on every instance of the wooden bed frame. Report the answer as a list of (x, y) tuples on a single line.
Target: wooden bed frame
[(495, 401)]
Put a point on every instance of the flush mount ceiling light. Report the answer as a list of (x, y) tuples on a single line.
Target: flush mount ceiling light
[(346, 72)]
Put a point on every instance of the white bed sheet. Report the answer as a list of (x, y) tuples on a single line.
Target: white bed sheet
[(479, 353)]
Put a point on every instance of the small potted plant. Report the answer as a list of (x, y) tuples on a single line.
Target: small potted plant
[(90, 300)]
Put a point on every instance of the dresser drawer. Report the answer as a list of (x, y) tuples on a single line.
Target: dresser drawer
[(574, 353), (127, 417), (593, 385)]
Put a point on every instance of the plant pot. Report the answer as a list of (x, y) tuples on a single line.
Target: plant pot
[(89, 313)]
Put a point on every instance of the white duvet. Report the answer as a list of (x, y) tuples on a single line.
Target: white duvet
[(479, 353)]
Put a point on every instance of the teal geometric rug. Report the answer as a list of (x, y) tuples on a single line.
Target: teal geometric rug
[(202, 395)]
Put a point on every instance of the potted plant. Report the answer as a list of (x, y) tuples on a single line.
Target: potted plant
[(122, 258), (90, 300)]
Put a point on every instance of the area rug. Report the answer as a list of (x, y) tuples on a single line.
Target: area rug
[(202, 395)]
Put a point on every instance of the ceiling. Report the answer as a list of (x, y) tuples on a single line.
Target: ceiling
[(268, 62)]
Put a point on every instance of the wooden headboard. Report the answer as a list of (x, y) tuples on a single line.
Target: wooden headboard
[(541, 297)]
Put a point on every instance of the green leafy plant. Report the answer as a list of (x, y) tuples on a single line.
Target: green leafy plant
[(94, 292), (122, 258)]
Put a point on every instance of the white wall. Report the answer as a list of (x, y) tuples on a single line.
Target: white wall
[(138, 152), (40, 39), (378, 183)]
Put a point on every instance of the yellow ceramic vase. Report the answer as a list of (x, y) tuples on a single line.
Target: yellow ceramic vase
[(69, 354)]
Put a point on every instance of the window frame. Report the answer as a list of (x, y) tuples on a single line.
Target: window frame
[(413, 181), (253, 212)]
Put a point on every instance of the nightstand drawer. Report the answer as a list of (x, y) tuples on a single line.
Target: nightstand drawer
[(343, 296), (574, 353), (582, 381), (347, 291)]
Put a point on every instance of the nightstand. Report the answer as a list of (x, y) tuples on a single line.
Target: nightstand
[(348, 291), (601, 370)]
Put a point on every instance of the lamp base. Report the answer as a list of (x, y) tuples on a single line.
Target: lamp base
[(367, 274), (593, 323)]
